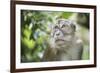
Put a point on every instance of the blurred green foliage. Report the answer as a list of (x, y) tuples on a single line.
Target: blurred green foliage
[(66, 15), (35, 30)]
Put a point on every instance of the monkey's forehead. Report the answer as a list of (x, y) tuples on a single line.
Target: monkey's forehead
[(64, 21)]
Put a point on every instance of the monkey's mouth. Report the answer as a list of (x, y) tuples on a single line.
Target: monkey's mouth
[(60, 41)]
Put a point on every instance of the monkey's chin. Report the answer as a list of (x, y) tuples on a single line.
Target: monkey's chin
[(63, 44), (60, 44), (61, 47)]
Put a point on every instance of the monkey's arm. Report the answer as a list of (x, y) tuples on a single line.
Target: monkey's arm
[(49, 54)]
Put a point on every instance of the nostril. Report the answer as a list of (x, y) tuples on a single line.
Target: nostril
[(58, 34)]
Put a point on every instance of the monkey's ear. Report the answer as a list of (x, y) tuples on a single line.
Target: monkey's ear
[(74, 27)]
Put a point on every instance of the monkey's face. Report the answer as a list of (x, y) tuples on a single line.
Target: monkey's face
[(67, 26), (57, 37), (63, 33)]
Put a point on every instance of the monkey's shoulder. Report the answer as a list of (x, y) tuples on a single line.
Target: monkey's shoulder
[(78, 42)]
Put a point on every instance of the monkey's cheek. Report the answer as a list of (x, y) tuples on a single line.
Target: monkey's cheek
[(68, 38)]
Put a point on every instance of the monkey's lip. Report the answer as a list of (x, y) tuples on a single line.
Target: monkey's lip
[(58, 40)]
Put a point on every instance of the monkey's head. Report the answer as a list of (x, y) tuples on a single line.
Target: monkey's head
[(67, 26), (62, 33)]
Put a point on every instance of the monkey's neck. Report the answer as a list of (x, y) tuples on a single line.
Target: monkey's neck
[(68, 46)]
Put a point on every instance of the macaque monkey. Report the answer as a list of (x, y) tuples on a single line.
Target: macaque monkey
[(64, 45)]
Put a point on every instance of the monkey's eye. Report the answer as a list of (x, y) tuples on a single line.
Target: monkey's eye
[(56, 27), (63, 26)]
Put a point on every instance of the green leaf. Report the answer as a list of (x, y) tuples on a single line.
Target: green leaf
[(28, 43), (39, 40), (27, 32), (66, 15)]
